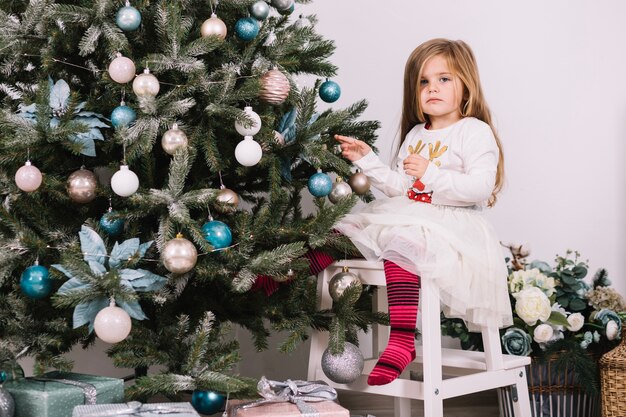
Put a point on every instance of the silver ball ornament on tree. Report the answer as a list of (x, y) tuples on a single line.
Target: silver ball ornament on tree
[(341, 281), (146, 84), (282, 4), (340, 190), (7, 404), (275, 87), (259, 10), (173, 139), (359, 183), (214, 26), (345, 367), (179, 255), (81, 186), (228, 200)]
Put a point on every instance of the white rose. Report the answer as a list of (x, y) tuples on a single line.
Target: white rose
[(576, 321), (532, 305), (543, 333), (611, 330)]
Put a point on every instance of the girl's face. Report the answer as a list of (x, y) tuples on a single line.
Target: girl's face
[(440, 93)]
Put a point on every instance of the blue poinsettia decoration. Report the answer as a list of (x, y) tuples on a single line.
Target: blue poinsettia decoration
[(59, 103), (287, 128), (132, 280)]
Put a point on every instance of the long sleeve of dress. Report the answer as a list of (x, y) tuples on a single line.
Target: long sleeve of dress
[(392, 183)]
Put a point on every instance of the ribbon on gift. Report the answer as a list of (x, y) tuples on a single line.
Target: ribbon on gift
[(295, 392), (89, 390), (135, 408)]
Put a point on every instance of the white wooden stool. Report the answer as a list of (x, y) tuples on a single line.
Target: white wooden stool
[(465, 372)]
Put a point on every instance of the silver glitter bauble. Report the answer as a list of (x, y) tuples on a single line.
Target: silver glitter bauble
[(173, 139), (81, 186), (214, 26), (259, 10), (282, 4), (146, 84), (228, 200), (275, 87), (345, 367), (340, 190), (179, 255), (7, 405), (339, 282), (359, 183)]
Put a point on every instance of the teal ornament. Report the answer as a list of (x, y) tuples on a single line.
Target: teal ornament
[(35, 282), (288, 10), (122, 116), (217, 234), (320, 184), (128, 18), (330, 91), (247, 28), (260, 10), (110, 225), (3, 376), (207, 402)]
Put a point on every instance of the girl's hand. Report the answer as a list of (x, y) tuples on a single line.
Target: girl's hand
[(415, 165), (352, 149)]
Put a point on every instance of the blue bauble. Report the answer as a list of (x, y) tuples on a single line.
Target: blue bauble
[(111, 226), (207, 402), (247, 28), (320, 184), (260, 10), (36, 282), (128, 18), (330, 91), (123, 116), (217, 234)]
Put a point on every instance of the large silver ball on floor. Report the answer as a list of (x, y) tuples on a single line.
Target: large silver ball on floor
[(339, 282), (345, 367), (7, 405)]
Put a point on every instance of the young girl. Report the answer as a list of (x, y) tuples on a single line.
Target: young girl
[(449, 166)]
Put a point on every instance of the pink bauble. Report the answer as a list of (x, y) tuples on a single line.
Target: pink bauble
[(274, 87), (28, 178), (112, 324), (122, 70), (214, 26)]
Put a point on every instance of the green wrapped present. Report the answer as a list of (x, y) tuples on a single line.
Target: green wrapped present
[(55, 394), (136, 409)]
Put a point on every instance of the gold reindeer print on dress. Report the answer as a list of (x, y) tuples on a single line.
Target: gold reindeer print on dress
[(433, 152), (436, 152)]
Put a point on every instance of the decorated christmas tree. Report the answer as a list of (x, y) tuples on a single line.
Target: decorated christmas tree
[(154, 160)]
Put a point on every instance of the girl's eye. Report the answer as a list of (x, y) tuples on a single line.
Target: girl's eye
[(444, 79), (423, 82)]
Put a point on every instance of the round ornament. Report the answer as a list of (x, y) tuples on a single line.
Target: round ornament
[(340, 190), (110, 225), (302, 22), (122, 69), (228, 200), (214, 26), (320, 184), (251, 130), (282, 4), (7, 404), (339, 282), (217, 234), (207, 402), (28, 177), (146, 84), (10, 370), (179, 255), (128, 18), (123, 116), (275, 87), (288, 10), (330, 91), (124, 182), (173, 139), (359, 183), (81, 186), (35, 282), (248, 152), (112, 324), (247, 28), (345, 367), (260, 10)]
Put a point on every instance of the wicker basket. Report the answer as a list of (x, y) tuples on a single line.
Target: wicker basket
[(613, 380)]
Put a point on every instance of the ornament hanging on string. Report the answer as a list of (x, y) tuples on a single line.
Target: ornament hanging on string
[(28, 178), (259, 10), (345, 367), (35, 281), (339, 191), (359, 183), (124, 182), (207, 402), (109, 224), (112, 324), (122, 69), (227, 200), (302, 22), (214, 26), (179, 255), (275, 87), (341, 281), (320, 184), (247, 28), (329, 91), (123, 116), (217, 233), (146, 84), (128, 18), (248, 152), (173, 139), (252, 129), (81, 186)]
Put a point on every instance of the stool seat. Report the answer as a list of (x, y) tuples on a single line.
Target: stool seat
[(436, 373)]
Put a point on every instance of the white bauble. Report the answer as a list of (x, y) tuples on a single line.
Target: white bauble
[(28, 178), (112, 324), (254, 128), (146, 84), (122, 69), (174, 139), (248, 152), (124, 182)]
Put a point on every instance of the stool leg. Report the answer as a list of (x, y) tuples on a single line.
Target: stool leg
[(401, 407), (522, 405)]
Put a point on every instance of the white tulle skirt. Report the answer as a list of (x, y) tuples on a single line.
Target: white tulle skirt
[(455, 247)]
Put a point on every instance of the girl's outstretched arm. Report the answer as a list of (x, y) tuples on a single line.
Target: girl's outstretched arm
[(351, 148)]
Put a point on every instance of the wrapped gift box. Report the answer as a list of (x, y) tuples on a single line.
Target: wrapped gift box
[(135, 408), (55, 394), (285, 409)]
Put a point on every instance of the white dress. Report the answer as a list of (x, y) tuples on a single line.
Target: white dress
[(448, 241)]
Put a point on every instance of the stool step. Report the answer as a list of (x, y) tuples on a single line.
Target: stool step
[(469, 359)]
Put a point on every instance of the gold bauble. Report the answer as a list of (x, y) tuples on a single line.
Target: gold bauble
[(179, 255), (228, 200), (359, 183), (214, 26), (275, 87), (81, 186)]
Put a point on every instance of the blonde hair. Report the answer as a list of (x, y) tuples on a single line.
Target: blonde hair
[(463, 64)]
